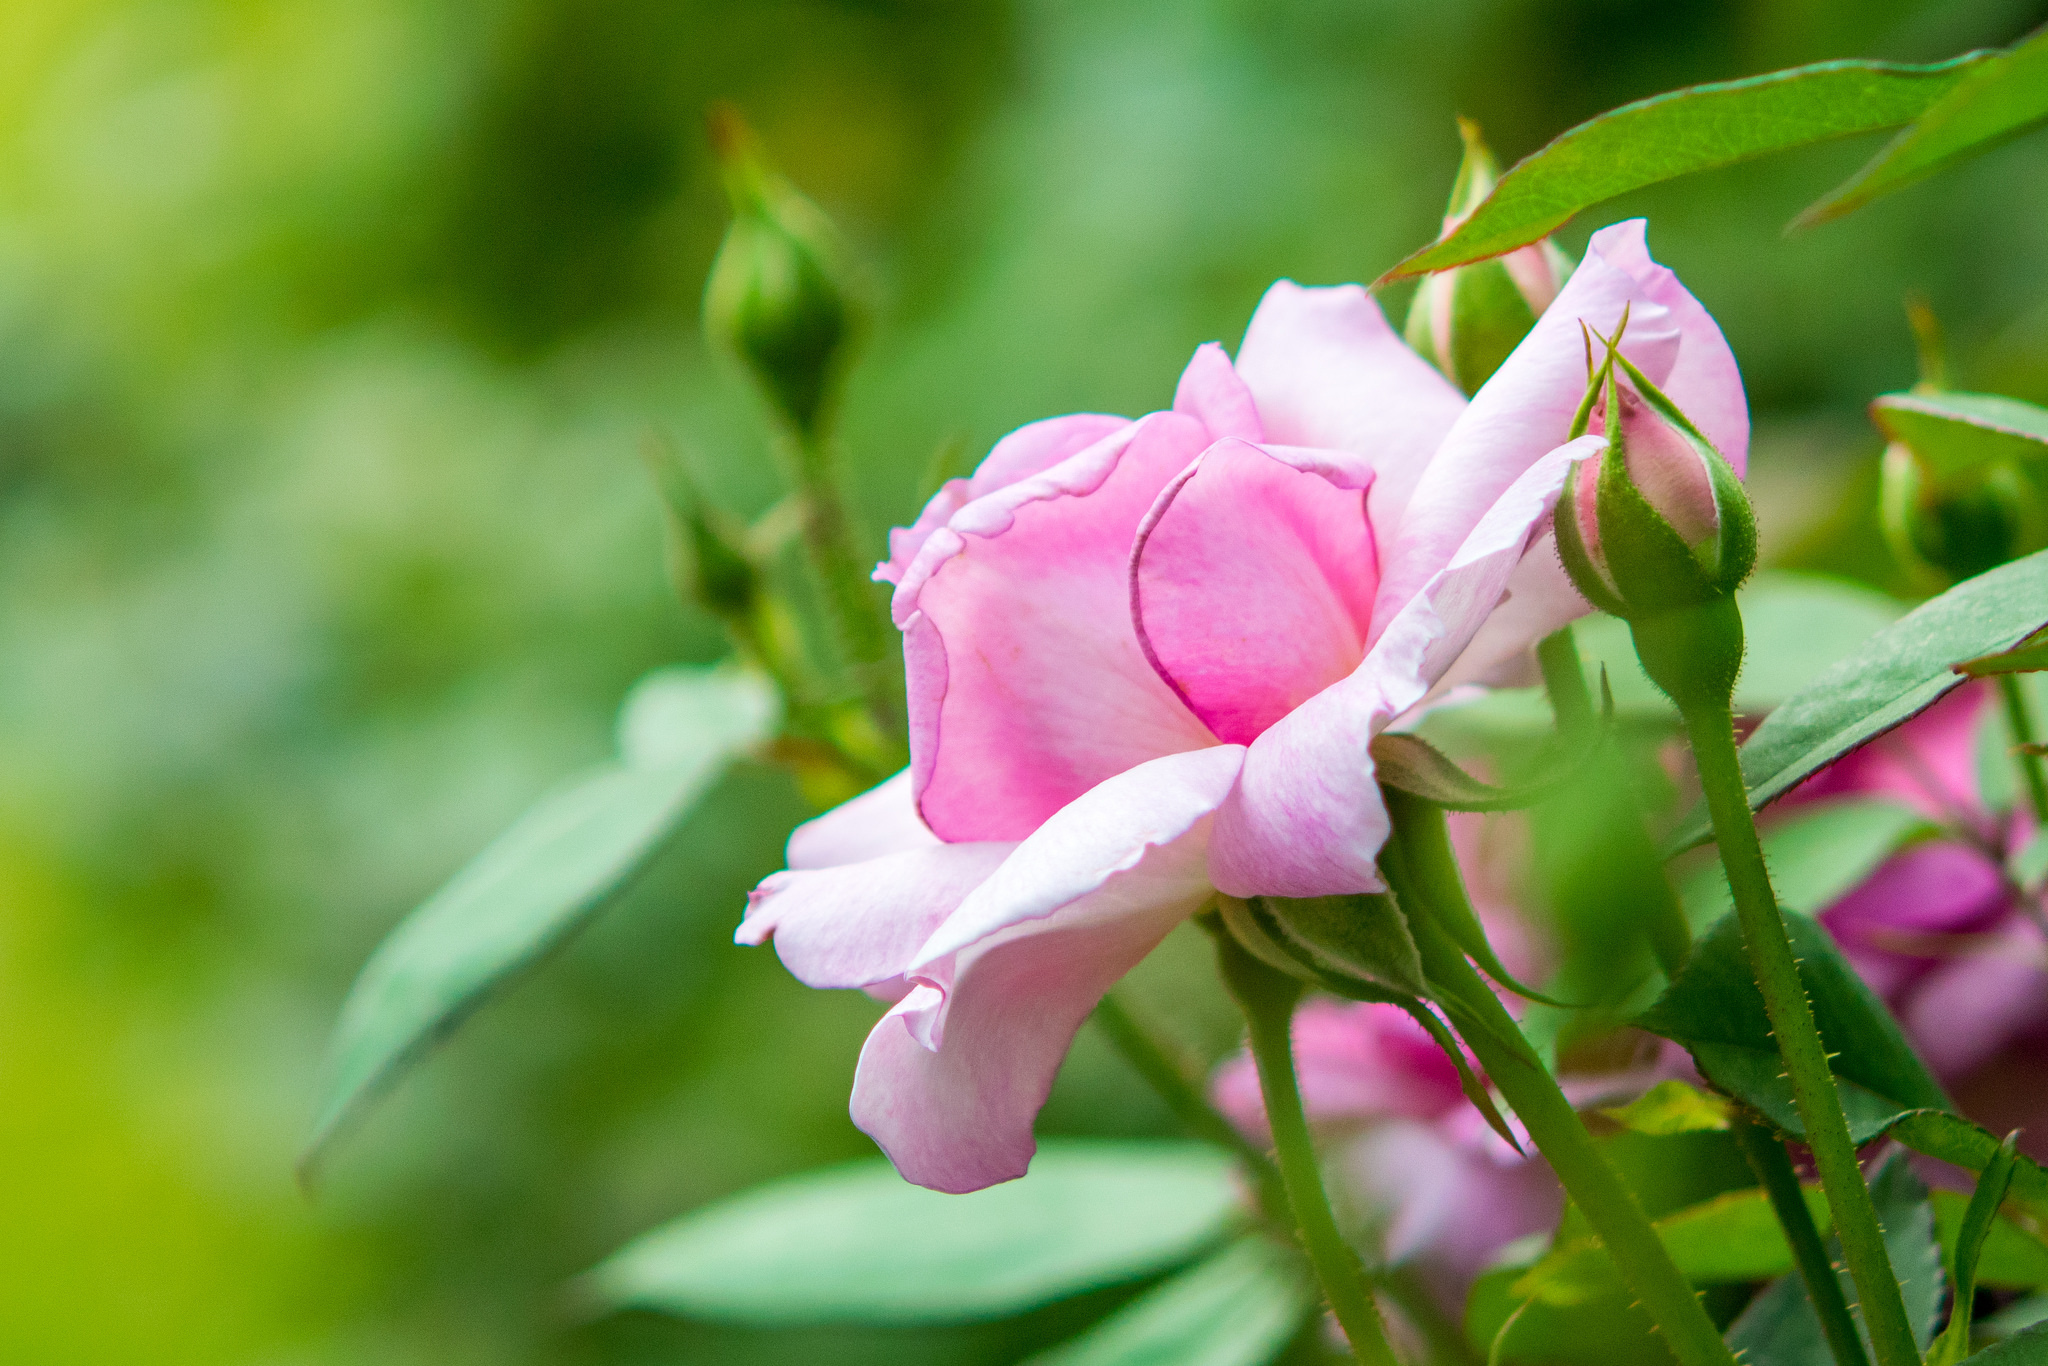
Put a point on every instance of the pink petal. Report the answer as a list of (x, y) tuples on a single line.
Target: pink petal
[(1211, 393), (1306, 817), (1105, 833), (1328, 371), (882, 820), (862, 923), (1971, 1005), (1027, 685), (952, 1078), (1251, 584), (1444, 1209), (1030, 449), (1527, 407)]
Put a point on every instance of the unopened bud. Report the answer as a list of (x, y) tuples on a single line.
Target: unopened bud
[(1466, 320), (1945, 530), (1657, 520), (776, 295)]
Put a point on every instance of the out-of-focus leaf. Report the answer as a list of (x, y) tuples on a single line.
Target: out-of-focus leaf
[(1239, 1308), (1817, 856), (1715, 1010), (1779, 1326), (1999, 98), (1952, 432), (1898, 673), (2016, 1318), (1672, 1107), (541, 881), (1733, 1237), (859, 1244), (1675, 134)]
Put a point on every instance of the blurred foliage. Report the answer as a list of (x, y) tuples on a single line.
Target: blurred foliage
[(328, 333)]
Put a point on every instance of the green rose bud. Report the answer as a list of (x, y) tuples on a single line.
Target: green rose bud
[(776, 296), (1466, 320), (1657, 529)]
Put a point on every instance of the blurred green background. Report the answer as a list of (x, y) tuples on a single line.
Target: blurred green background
[(328, 333)]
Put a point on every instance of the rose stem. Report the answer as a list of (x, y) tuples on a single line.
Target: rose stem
[(1267, 998), (857, 623), (1767, 1157), (2019, 719), (1593, 1184), (1711, 727), (1669, 932), (1150, 1058)]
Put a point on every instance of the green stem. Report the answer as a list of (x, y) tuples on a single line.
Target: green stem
[(2019, 719), (1773, 1167), (1183, 1095), (850, 595), (1593, 1184), (1268, 998), (1664, 922), (1711, 727)]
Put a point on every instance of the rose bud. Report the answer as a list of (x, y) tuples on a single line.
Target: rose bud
[(1657, 529), (776, 295), (1466, 320)]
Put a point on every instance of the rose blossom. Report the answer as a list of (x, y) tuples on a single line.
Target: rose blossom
[(1145, 659), (1937, 930)]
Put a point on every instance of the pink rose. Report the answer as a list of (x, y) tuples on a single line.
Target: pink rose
[(1937, 930), (1145, 660)]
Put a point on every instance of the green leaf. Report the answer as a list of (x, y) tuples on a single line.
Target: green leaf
[(859, 1244), (1672, 1107), (2012, 1257), (1688, 130), (1950, 1137), (1715, 1010), (540, 882), (1965, 1250), (1953, 432), (1239, 1308), (1817, 855), (1780, 1328), (1998, 99), (1898, 673), (2028, 1347), (2030, 659)]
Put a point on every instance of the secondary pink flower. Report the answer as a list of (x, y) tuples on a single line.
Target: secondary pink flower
[(1937, 930), (1412, 1163), (1145, 659)]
